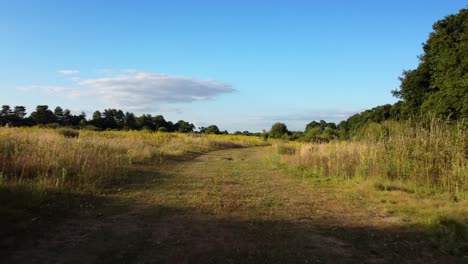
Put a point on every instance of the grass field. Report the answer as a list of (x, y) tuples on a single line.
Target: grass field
[(427, 158), (177, 198)]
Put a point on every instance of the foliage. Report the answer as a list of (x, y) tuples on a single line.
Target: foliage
[(440, 83), (163, 129), (43, 115), (278, 130), (285, 149), (68, 133), (184, 127), (212, 130)]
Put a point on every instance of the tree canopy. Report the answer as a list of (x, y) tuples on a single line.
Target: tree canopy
[(278, 130), (440, 82)]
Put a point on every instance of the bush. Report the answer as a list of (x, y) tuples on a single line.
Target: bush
[(51, 125), (163, 129), (285, 150), (68, 133), (91, 127)]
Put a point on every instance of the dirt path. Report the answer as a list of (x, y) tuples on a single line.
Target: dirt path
[(229, 206)]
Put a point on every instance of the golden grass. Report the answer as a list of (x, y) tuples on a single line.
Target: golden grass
[(94, 159), (430, 157)]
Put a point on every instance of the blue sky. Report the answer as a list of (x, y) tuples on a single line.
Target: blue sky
[(242, 65)]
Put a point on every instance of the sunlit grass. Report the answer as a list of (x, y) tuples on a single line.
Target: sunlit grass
[(90, 160), (425, 157)]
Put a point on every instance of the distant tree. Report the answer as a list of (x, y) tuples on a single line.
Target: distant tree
[(130, 121), (159, 121), (184, 126), (97, 115), (6, 110), (119, 119), (97, 120), (5, 115), (146, 122), (20, 112), (312, 125), (212, 130), (59, 116), (278, 130), (313, 134), (170, 126), (17, 117), (113, 119), (43, 115), (68, 119)]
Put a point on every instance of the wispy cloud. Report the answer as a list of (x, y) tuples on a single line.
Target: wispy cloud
[(141, 91), (47, 89), (69, 72), (67, 92), (329, 115)]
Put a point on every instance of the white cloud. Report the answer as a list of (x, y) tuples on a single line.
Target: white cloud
[(145, 90), (69, 72), (140, 91)]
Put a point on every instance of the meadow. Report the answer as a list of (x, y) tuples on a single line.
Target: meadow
[(89, 160), (424, 157), (123, 196)]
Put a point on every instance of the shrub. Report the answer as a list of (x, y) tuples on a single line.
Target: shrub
[(68, 133), (91, 127), (163, 129), (285, 150)]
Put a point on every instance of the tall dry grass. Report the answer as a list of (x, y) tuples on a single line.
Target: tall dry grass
[(429, 156), (94, 159)]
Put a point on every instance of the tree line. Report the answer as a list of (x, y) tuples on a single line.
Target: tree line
[(109, 119)]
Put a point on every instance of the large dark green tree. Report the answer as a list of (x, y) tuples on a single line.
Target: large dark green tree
[(43, 115), (440, 83)]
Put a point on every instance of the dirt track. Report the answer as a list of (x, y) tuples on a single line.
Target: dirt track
[(229, 206)]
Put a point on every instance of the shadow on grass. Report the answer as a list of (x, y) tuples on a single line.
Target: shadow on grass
[(162, 234), (26, 211), (392, 188), (184, 235)]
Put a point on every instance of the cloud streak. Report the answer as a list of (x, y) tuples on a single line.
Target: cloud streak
[(69, 72), (331, 114)]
